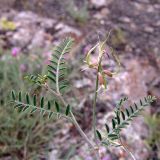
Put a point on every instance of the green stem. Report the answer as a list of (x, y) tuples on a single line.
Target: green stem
[(94, 108), (95, 100)]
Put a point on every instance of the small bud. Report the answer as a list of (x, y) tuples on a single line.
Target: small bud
[(108, 73)]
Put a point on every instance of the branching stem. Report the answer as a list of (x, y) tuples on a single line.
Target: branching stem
[(90, 143)]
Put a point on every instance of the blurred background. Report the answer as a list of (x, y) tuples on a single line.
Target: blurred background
[(29, 30)]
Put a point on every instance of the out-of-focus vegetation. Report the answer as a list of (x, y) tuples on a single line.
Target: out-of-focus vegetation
[(21, 136), (81, 15), (153, 122), (7, 25)]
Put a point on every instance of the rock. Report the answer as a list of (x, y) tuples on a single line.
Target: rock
[(38, 40), (22, 37), (104, 11), (32, 31), (98, 3), (65, 29), (131, 82), (48, 23), (98, 16), (150, 9), (133, 26), (82, 83), (134, 135), (53, 155), (6, 4), (139, 6), (157, 24), (102, 14), (125, 19), (26, 16), (148, 29)]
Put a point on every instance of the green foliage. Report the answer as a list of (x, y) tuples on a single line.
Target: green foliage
[(21, 135), (29, 105), (80, 15), (7, 25), (123, 118), (153, 122), (118, 38), (57, 69), (56, 74), (121, 102), (39, 79)]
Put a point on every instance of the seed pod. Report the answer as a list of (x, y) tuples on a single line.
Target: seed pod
[(108, 73), (101, 79)]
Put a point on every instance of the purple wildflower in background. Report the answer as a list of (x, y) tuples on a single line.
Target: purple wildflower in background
[(108, 157), (88, 158), (15, 51)]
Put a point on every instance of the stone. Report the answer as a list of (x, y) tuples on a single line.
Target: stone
[(98, 3), (38, 40), (132, 82), (26, 16), (125, 19), (64, 29), (53, 154), (82, 83), (157, 23), (22, 37), (102, 14), (148, 29), (104, 11)]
